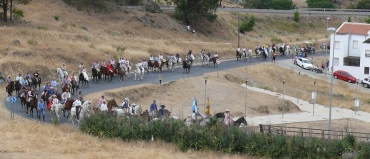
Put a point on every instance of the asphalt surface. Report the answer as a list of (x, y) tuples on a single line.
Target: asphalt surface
[(152, 78)]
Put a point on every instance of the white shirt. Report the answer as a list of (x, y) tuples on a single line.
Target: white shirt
[(192, 57), (77, 103), (151, 58), (244, 49), (194, 116), (139, 64), (250, 51), (103, 107), (55, 101), (66, 95), (19, 78), (145, 64), (160, 57), (127, 62), (112, 61), (238, 49)]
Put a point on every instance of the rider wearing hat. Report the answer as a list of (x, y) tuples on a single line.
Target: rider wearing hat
[(36, 74), (227, 119), (125, 103)]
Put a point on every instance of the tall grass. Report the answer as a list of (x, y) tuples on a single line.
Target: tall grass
[(215, 137)]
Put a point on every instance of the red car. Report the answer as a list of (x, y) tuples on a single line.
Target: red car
[(345, 76)]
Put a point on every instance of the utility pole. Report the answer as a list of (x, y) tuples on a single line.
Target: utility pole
[(238, 31)]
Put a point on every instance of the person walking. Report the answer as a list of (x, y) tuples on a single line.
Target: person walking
[(274, 57), (77, 104), (153, 108), (41, 105)]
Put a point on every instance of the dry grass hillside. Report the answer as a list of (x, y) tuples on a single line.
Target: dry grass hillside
[(86, 36)]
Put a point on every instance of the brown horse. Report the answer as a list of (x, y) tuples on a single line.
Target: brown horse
[(150, 65), (107, 73), (23, 99), (158, 66), (65, 87), (17, 86), (121, 73), (74, 87), (46, 97), (112, 103), (35, 82), (32, 105), (10, 88), (68, 107), (238, 55)]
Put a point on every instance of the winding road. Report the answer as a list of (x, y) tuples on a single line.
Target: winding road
[(195, 71)]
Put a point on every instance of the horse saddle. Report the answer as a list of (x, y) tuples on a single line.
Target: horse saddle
[(29, 99)]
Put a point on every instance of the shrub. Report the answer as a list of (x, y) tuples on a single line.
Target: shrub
[(368, 20), (32, 42), (55, 121), (215, 137), (42, 28), (247, 26), (349, 19), (56, 18), (320, 4), (276, 40), (18, 12), (120, 49), (296, 16)]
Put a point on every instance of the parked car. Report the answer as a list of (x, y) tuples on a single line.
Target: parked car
[(345, 76), (366, 82), (304, 63)]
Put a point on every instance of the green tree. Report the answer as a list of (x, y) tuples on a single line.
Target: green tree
[(296, 16), (363, 4), (281, 4), (349, 19), (247, 26), (320, 4), (368, 20), (190, 10), (7, 5)]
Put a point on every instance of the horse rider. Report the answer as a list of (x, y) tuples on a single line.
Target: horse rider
[(52, 90), (36, 74), (127, 64), (244, 50), (24, 90), (96, 65), (80, 97), (65, 96), (77, 103), (151, 58), (81, 66), (31, 94), (54, 83), (125, 104), (177, 57), (104, 107), (83, 69), (19, 78), (238, 50), (207, 112), (158, 59), (64, 68), (162, 111), (140, 65), (103, 64), (41, 105), (112, 62), (101, 100), (250, 52), (122, 64), (145, 64), (227, 119), (8, 80), (46, 88), (24, 82), (110, 67), (215, 55), (28, 75), (67, 81), (73, 77), (153, 108)]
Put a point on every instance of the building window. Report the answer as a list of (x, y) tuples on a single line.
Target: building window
[(355, 44), (337, 44), (367, 53), (366, 70), (351, 61)]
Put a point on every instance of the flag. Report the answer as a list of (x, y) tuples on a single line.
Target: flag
[(195, 104)]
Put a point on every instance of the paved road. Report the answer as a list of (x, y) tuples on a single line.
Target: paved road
[(152, 78), (319, 11)]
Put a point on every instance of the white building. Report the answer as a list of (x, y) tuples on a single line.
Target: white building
[(352, 49)]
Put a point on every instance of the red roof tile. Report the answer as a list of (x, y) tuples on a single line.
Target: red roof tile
[(354, 28)]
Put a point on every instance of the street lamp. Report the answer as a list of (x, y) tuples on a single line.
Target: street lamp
[(205, 90), (314, 95), (331, 81), (326, 46), (238, 31), (299, 83), (160, 77), (357, 101), (246, 95), (282, 115)]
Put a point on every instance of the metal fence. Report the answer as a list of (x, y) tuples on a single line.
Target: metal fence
[(311, 132)]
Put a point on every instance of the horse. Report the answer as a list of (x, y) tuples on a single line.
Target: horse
[(96, 75), (23, 99), (84, 111), (121, 74), (61, 74), (139, 71), (84, 79), (32, 104), (10, 88), (146, 69), (35, 82), (171, 63), (56, 109), (67, 107), (107, 73), (145, 115), (220, 115), (186, 66), (75, 87), (214, 60), (240, 121), (45, 96), (112, 103), (238, 55), (157, 66), (151, 65), (17, 86), (203, 58)]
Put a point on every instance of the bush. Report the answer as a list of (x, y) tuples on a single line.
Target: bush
[(56, 18), (18, 12), (368, 20), (32, 42), (215, 137), (296, 16), (349, 19), (320, 4), (247, 26), (363, 4), (120, 49)]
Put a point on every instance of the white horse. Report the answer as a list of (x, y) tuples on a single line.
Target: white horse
[(84, 111), (171, 63), (287, 50), (61, 74), (119, 112), (139, 71), (138, 110), (56, 109)]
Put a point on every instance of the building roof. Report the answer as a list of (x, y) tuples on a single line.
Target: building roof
[(354, 28), (367, 40)]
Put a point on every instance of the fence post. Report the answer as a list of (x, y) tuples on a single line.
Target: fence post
[(261, 128)]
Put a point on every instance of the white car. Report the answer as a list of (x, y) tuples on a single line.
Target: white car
[(366, 82), (304, 63)]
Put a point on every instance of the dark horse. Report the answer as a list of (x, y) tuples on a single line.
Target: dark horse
[(32, 104), (240, 121), (112, 103), (96, 75), (214, 60), (238, 55), (36, 81), (158, 66), (23, 99), (17, 87), (83, 81), (151, 65), (10, 88), (68, 107), (107, 73), (121, 74), (186, 65), (75, 87)]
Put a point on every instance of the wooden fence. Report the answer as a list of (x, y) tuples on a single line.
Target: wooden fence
[(312, 132)]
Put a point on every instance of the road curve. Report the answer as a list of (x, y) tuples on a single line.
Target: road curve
[(152, 78)]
